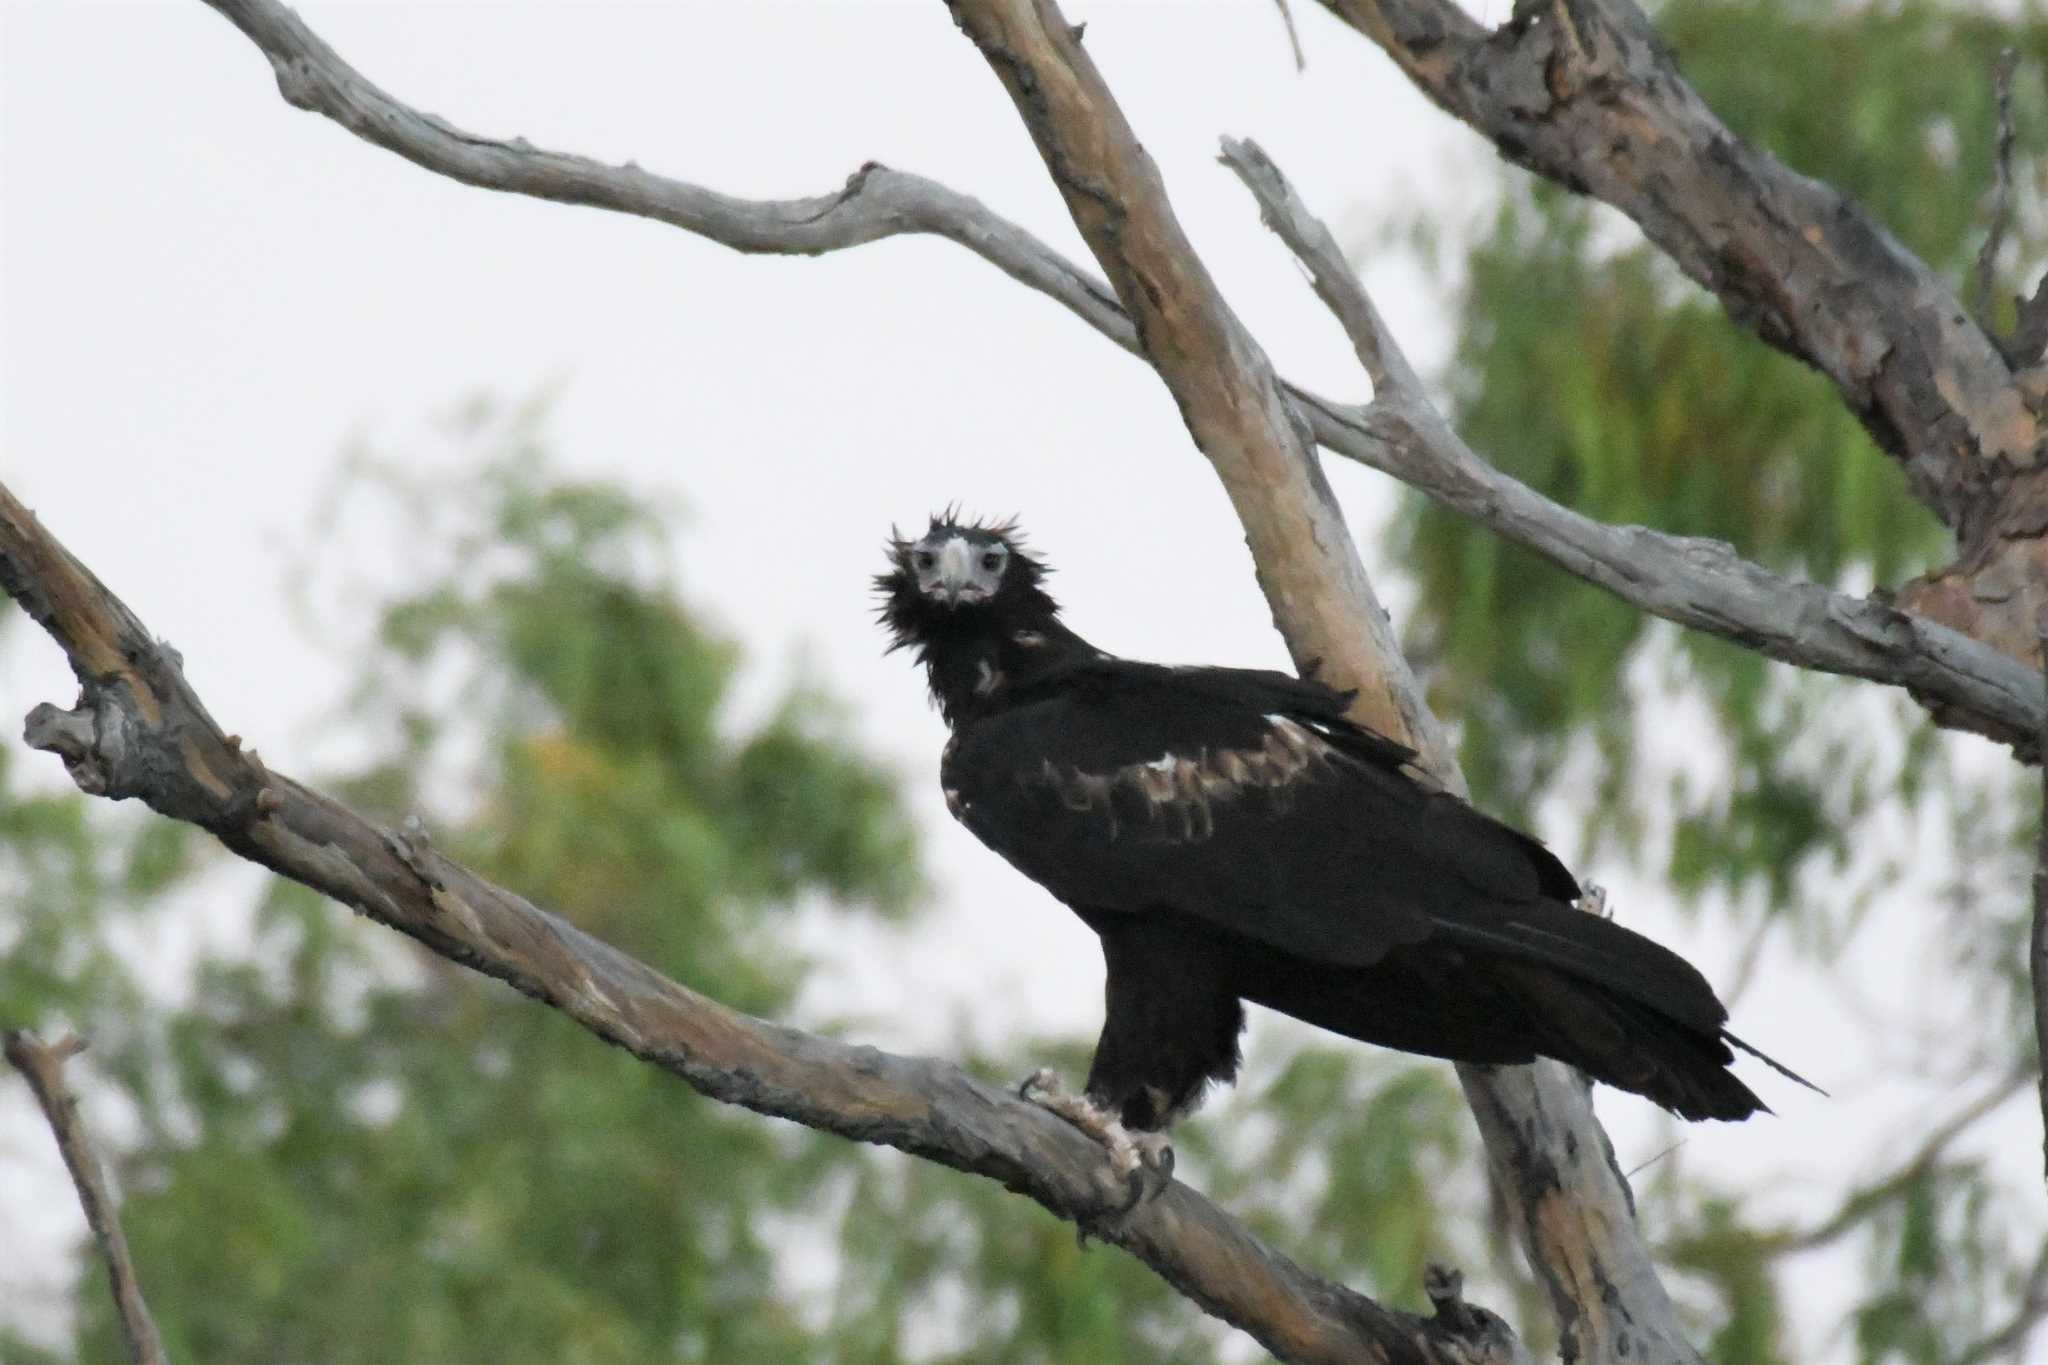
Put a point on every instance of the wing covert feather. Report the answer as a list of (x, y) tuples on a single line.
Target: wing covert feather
[(1135, 788)]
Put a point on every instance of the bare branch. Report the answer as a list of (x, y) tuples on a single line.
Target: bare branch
[(1699, 583), (139, 731), (42, 1066), (1585, 93), (1293, 36), (2037, 939), (2001, 187), (1228, 394)]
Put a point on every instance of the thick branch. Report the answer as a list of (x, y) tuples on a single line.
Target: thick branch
[(42, 1066), (139, 731), (1697, 583), (1575, 1211), (1585, 93), (1228, 395)]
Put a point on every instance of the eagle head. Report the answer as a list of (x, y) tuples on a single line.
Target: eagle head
[(961, 575)]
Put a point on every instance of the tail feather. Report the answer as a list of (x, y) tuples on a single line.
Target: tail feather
[(1624, 1043), (1772, 1062), (1622, 1008)]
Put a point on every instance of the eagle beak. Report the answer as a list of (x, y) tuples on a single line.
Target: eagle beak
[(956, 574)]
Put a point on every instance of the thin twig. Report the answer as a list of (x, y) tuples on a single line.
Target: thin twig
[(2001, 187), (2037, 946), (42, 1066), (1293, 38)]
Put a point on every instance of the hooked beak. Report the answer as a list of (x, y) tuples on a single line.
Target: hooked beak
[(955, 583)]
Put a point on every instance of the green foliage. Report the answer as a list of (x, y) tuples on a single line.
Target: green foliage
[(1589, 368)]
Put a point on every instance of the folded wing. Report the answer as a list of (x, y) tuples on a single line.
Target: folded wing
[(1245, 799)]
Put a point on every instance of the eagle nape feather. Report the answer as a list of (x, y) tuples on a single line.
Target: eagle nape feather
[(1231, 836)]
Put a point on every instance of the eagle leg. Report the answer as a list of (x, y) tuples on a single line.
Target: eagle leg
[(1142, 1162)]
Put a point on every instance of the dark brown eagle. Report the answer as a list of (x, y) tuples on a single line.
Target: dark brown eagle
[(1230, 836)]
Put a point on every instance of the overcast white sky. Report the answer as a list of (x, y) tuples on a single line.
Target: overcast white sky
[(208, 295)]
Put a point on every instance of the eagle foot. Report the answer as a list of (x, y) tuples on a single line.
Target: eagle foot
[(1141, 1162)]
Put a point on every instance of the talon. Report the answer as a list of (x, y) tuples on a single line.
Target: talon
[(1042, 1081), (1142, 1162)]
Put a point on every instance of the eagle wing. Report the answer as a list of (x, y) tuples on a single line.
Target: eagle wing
[(1246, 800)]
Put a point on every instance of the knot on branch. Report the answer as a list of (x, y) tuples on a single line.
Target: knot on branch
[(93, 742), (297, 82)]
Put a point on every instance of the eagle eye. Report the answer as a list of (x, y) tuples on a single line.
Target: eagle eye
[(992, 561), (923, 559)]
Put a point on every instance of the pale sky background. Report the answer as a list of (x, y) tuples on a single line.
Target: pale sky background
[(208, 295)]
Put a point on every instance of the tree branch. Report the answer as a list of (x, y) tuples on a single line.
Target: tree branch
[(1697, 583), (1585, 93), (2037, 938), (42, 1066), (139, 731), (1228, 395), (1575, 1212), (2001, 188)]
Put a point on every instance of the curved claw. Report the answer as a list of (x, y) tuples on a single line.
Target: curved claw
[(1044, 1081), (1141, 1162)]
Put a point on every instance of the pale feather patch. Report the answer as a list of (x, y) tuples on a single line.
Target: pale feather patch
[(1184, 790)]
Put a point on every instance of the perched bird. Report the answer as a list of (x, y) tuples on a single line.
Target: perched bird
[(1230, 836)]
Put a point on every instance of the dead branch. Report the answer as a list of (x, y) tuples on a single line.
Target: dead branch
[(1698, 583), (42, 1066), (2001, 188), (139, 731), (2037, 938)]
